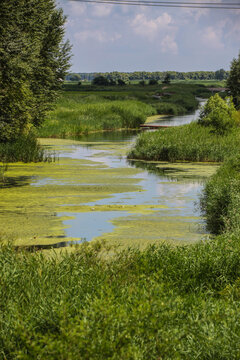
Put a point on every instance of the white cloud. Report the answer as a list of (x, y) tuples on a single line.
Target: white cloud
[(160, 29), (96, 35), (212, 37), (150, 28), (169, 45)]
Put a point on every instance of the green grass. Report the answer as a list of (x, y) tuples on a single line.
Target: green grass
[(220, 200), (74, 116), (191, 142), (161, 303), (25, 149), (91, 108)]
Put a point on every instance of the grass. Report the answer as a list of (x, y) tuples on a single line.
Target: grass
[(74, 116), (160, 303), (220, 201), (24, 149), (191, 142), (91, 109)]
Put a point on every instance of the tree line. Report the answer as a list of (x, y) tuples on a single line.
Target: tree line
[(220, 74)]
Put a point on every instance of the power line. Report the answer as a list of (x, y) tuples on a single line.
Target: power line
[(174, 4)]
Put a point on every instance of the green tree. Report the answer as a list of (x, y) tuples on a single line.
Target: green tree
[(167, 79), (219, 114), (220, 74), (33, 62), (100, 81), (153, 82), (233, 81), (74, 77)]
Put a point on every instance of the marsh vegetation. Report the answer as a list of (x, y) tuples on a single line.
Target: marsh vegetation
[(90, 109)]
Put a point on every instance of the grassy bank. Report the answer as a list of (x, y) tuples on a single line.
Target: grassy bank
[(191, 142), (90, 109)]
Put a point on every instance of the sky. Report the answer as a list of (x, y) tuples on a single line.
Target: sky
[(125, 38)]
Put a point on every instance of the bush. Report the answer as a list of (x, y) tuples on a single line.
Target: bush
[(219, 114)]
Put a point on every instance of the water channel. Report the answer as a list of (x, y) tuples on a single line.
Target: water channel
[(94, 192)]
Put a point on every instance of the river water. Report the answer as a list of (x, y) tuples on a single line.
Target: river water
[(94, 192), (171, 189)]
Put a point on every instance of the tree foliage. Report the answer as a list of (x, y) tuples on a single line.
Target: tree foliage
[(233, 81), (167, 79), (219, 114), (156, 75), (33, 62)]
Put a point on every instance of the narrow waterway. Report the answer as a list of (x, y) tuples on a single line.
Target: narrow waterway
[(94, 192)]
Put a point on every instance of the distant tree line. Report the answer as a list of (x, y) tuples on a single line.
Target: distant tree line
[(220, 74)]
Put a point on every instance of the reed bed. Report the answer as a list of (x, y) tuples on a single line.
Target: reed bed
[(191, 142), (73, 117)]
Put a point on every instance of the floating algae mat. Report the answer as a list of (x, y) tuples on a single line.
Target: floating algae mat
[(92, 192)]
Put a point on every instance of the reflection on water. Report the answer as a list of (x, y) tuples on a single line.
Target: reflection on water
[(109, 136)]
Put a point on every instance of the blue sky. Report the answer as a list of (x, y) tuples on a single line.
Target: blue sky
[(135, 38)]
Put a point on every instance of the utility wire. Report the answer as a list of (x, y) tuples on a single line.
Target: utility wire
[(224, 6)]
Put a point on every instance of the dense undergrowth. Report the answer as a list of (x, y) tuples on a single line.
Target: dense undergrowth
[(90, 109)]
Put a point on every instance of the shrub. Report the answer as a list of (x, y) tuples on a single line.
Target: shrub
[(219, 114)]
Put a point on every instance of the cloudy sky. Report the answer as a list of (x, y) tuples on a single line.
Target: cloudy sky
[(136, 38)]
